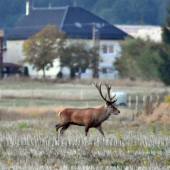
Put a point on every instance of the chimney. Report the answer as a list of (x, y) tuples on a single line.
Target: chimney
[(27, 8), (49, 6), (75, 3)]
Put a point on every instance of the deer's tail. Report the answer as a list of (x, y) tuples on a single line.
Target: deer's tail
[(59, 112)]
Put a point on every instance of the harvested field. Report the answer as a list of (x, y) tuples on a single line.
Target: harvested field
[(28, 141)]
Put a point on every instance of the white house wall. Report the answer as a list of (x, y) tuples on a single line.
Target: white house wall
[(15, 55), (4, 56), (108, 59), (14, 51)]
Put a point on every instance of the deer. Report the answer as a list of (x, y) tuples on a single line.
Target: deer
[(88, 117)]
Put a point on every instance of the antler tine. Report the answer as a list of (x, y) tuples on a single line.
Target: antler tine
[(114, 100), (108, 92), (113, 96), (100, 91)]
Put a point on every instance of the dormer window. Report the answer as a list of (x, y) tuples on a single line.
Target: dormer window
[(108, 49)]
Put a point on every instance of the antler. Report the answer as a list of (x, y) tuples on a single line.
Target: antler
[(108, 87), (108, 92), (99, 89)]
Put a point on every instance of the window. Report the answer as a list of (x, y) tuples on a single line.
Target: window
[(106, 70), (105, 49), (108, 49)]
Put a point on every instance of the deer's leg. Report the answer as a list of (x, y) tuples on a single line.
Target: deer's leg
[(86, 130), (99, 128), (64, 128), (58, 126)]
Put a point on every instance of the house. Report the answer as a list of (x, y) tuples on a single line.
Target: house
[(7, 67), (143, 31), (79, 25)]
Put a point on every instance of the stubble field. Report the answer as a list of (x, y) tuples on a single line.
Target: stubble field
[(28, 137)]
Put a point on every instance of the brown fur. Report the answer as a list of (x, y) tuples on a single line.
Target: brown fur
[(88, 117)]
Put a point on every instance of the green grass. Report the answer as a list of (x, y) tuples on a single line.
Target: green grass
[(22, 125), (28, 102), (19, 84)]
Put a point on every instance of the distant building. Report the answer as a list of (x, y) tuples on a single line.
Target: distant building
[(79, 25), (143, 31), (5, 67)]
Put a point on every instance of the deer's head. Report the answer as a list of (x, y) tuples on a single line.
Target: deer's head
[(110, 108)]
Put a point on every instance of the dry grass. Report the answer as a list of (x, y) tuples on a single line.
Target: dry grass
[(28, 138), (160, 114), (49, 82), (119, 82), (29, 112)]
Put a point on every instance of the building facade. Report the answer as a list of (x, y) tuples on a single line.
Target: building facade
[(79, 25)]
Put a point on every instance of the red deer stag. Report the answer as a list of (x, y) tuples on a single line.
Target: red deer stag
[(88, 117)]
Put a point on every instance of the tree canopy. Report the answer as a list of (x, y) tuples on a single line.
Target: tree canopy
[(78, 57), (164, 68), (139, 59), (43, 48)]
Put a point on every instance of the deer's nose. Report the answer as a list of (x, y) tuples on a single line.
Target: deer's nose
[(118, 111)]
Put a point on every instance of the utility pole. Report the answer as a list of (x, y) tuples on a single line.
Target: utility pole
[(1, 53), (94, 33), (96, 47)]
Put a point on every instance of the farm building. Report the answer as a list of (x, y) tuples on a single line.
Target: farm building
[(79, 25), (154, 33), (5, 67)]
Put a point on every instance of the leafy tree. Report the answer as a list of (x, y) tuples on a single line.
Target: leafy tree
[(139, 58), (42, 48), (78, 57), (165, 28), (164, 68)]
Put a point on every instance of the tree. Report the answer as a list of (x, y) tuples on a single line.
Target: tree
[(164, 68), (95, 60), (78, 57), (165, 28), (139, 58), (42, 48)]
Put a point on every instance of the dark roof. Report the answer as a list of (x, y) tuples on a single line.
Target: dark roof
[(65, 19), (11, 65)]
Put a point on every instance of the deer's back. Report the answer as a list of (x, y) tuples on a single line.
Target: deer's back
[(78, 116)]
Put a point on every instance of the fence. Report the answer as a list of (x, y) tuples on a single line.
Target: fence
[(70, 97), (137, 101)]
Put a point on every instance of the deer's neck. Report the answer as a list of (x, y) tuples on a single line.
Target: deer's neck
[(103, 114)]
